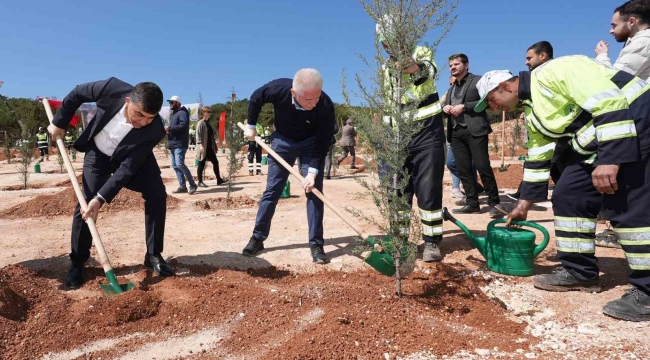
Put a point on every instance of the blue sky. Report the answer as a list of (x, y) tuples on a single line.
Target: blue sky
[(187, 47)]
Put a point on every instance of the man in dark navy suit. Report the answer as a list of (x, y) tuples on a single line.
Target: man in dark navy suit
[(118, 143)]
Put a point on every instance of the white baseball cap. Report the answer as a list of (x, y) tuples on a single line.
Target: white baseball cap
[(489, 82), (174, 98)]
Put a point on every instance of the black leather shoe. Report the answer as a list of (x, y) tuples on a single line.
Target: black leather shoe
[(562, 280), (192, 190), (318, 254), (633, 306), (158, 264), (179, 190), (221, 181), (202, 184), (253, 248), (75, 277), (467, 210)]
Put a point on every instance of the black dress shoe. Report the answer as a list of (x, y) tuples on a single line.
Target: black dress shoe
[(221, 181), (318, 255), (158, 264), (253, 247), (75, 277), (201, 184), (467, 210)]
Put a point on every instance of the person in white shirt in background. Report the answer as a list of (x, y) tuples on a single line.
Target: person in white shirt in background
[(630, 25)]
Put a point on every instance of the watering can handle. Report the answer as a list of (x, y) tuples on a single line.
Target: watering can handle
[(539, 248)]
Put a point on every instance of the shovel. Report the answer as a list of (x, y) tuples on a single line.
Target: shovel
[(113, 287), (503, 143), (379, 258)]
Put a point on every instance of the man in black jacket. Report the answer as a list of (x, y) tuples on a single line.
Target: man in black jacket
[(178, 141), (467, 131), (304, 122), (118, 143)]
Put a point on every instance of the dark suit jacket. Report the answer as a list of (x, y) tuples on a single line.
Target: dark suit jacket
[(136, 147), (477, 123)]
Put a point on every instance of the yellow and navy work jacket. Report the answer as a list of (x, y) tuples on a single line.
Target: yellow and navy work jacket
[(41, 140), (69, 140), (420, 96), (605, 112)]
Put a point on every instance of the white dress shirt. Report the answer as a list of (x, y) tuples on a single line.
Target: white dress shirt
[(113, 133)]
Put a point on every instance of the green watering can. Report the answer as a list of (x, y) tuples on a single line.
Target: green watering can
[(265, 161), (381, 260), (286, 192), (37, 168), (508, 251)]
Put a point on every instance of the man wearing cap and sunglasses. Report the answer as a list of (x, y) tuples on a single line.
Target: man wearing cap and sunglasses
[(606, 113)]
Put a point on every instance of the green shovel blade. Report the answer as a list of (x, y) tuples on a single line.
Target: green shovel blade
[(113, 287), (380, 261)]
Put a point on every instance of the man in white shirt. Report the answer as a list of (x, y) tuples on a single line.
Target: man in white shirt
[(118, 143), (630, 25)]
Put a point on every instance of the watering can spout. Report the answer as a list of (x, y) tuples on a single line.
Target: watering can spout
[(478, 241)]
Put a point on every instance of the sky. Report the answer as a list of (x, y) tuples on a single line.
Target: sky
[(187, 47)]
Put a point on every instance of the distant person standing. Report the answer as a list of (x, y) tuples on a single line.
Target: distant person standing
[(206, 142), (330, 153), (348, 142), (69, 141), (42, 141), (255, 153), (178, 140)]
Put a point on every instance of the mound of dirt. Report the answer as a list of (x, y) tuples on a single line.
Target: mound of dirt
[(12, 305), (64, 203), (67, 182), (509, 179), (270, 314), (128, 307), (20, 187), (220, 203)]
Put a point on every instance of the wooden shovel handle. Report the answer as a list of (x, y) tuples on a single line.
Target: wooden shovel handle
[(106, 264), (318, 194)]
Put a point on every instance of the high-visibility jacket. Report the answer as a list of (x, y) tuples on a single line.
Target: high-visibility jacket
[(419, 97), (41, 140), (421, 87), (593, 104), (69, 140)]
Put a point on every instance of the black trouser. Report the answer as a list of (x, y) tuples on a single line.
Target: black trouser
[(43, 151), (212, 157), (576, 204), (254, 153), (346, 150), (328, 160), (466, 148), (147, 181), (427, 167)]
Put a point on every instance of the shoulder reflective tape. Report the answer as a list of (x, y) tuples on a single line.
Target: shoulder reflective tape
[(638, 261), (591, 159), (634, 89), (536, 175), (542, 149), (431, 230), (578, 245), (581, 225), (595, 99), (617, 130), (430, 215)]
